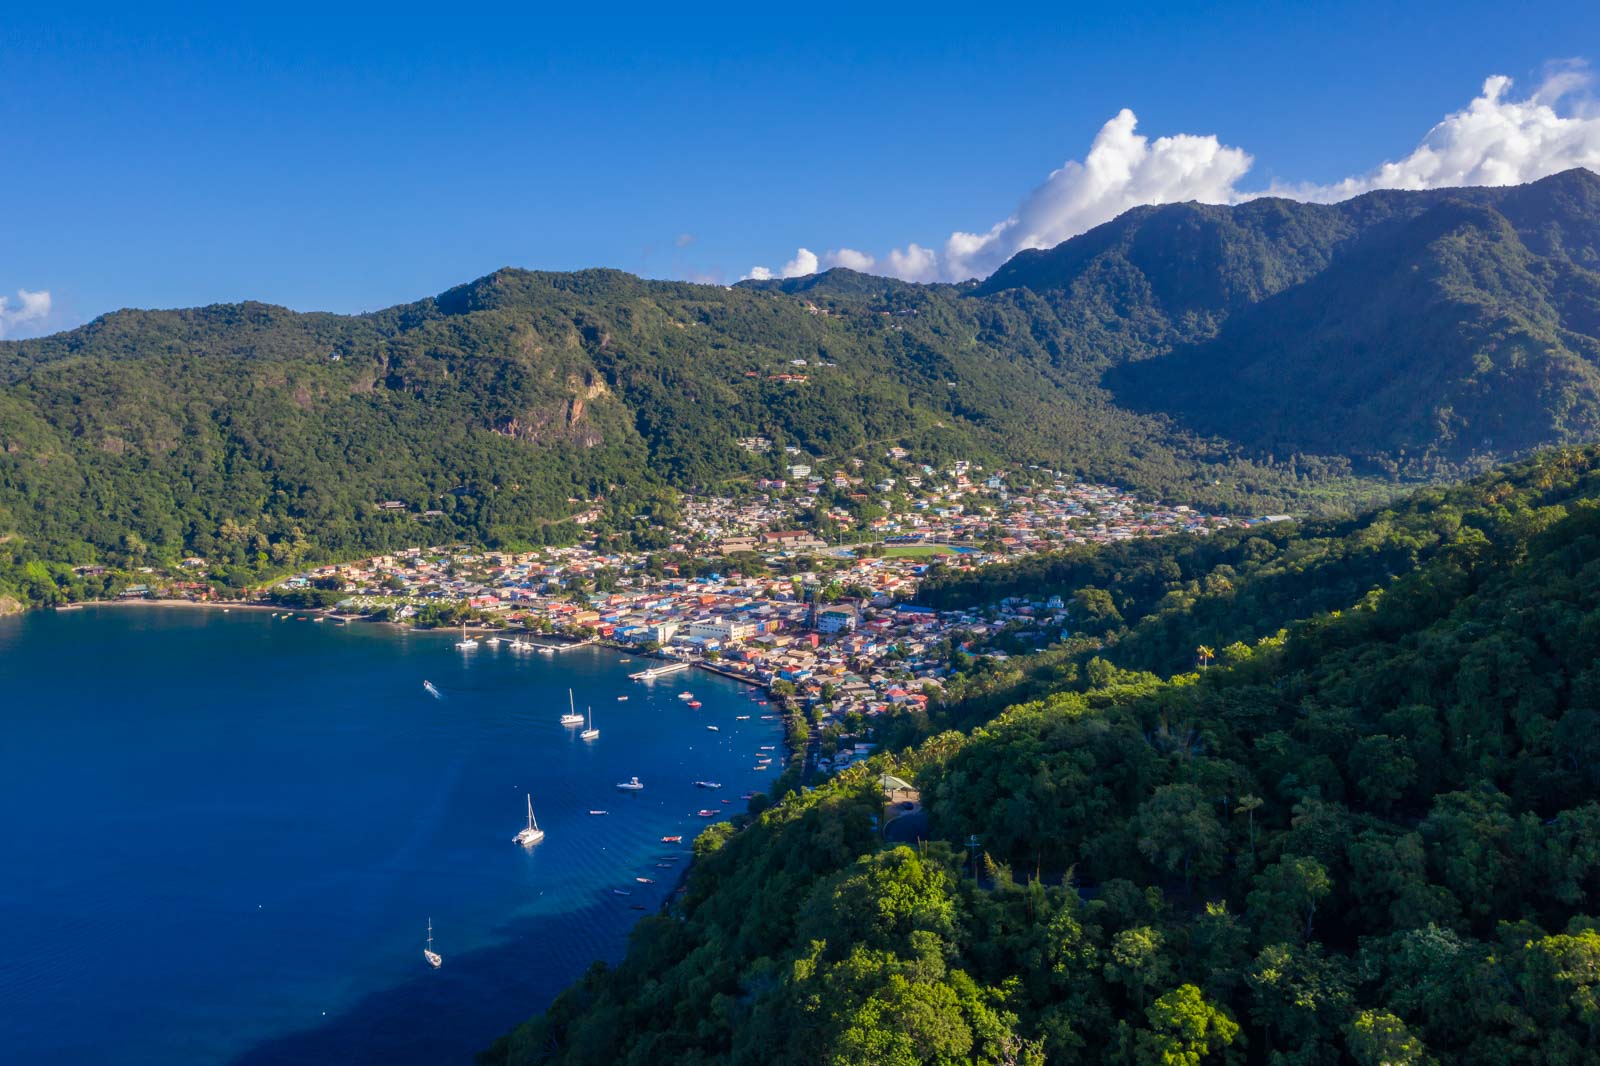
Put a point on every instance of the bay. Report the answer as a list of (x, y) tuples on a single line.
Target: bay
[(225, 832)]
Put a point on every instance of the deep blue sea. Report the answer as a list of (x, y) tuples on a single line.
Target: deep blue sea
[(224, 834)]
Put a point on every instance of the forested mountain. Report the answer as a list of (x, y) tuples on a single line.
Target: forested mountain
[(255, 436), (1269, 356), (1400, 329), (1373, 838)]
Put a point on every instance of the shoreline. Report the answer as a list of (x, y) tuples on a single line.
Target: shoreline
[(210, 604)]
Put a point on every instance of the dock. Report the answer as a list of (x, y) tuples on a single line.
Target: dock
[(660, 671), (562, 647)]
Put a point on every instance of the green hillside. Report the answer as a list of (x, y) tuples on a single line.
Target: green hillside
[(1404, 331), (258, 437), (1266, 357), (1374, 838)]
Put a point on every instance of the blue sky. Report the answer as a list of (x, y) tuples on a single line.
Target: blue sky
[(351, 163)]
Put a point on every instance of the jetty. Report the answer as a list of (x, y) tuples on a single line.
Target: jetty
[(563, 647), (660, 671)]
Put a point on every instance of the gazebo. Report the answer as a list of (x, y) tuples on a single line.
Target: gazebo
[(898, 790)]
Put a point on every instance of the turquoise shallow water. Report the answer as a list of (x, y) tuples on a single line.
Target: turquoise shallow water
[(225, 833)]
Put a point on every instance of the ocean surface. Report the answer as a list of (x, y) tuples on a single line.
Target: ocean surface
[(224, 833)]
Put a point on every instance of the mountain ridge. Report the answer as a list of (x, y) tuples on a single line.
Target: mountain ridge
[(1265, 357)]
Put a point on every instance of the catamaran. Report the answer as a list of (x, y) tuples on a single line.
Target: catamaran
[(434, 958), (572, 717), (590, 732), (533, 834), (466, 643)]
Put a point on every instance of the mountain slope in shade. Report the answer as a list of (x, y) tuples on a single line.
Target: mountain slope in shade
[(1397, 327)]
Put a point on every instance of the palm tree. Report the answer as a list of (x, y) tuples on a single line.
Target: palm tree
[(1248, 805), (1205, 655)]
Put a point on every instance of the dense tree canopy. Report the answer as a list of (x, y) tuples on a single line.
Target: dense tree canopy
[(1374, 837)]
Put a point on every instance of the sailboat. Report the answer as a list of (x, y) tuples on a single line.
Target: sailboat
[(572, 717), (434, 958), (533, 834), (591, 732), (466, 643)]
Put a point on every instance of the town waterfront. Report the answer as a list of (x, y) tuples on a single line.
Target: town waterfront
[(226, 832)]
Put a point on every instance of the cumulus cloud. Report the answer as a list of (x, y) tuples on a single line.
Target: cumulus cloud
[(803, 263), (1497, 139), (30, 310), (850, 259), (1122, 170), (1492, 141)]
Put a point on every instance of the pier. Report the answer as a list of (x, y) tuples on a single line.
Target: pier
[(561, 647), (660, 671)]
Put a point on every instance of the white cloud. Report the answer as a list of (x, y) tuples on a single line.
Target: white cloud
[(31, 309), (1494, 140), (803, 263), (1122, 170), (916, 263), (850, 259)]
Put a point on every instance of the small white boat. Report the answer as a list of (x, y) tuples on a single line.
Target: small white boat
[(466, 643), (434, 958), (599, 812), (686, 695), (707, 784), (632, 784), (741, 718), (572, 717), (545, 649), (713, 729), (622, 699), (431, 690), (533, 834), (590, 733)]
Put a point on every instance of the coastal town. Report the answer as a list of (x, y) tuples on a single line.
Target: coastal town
[(829, 626)]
